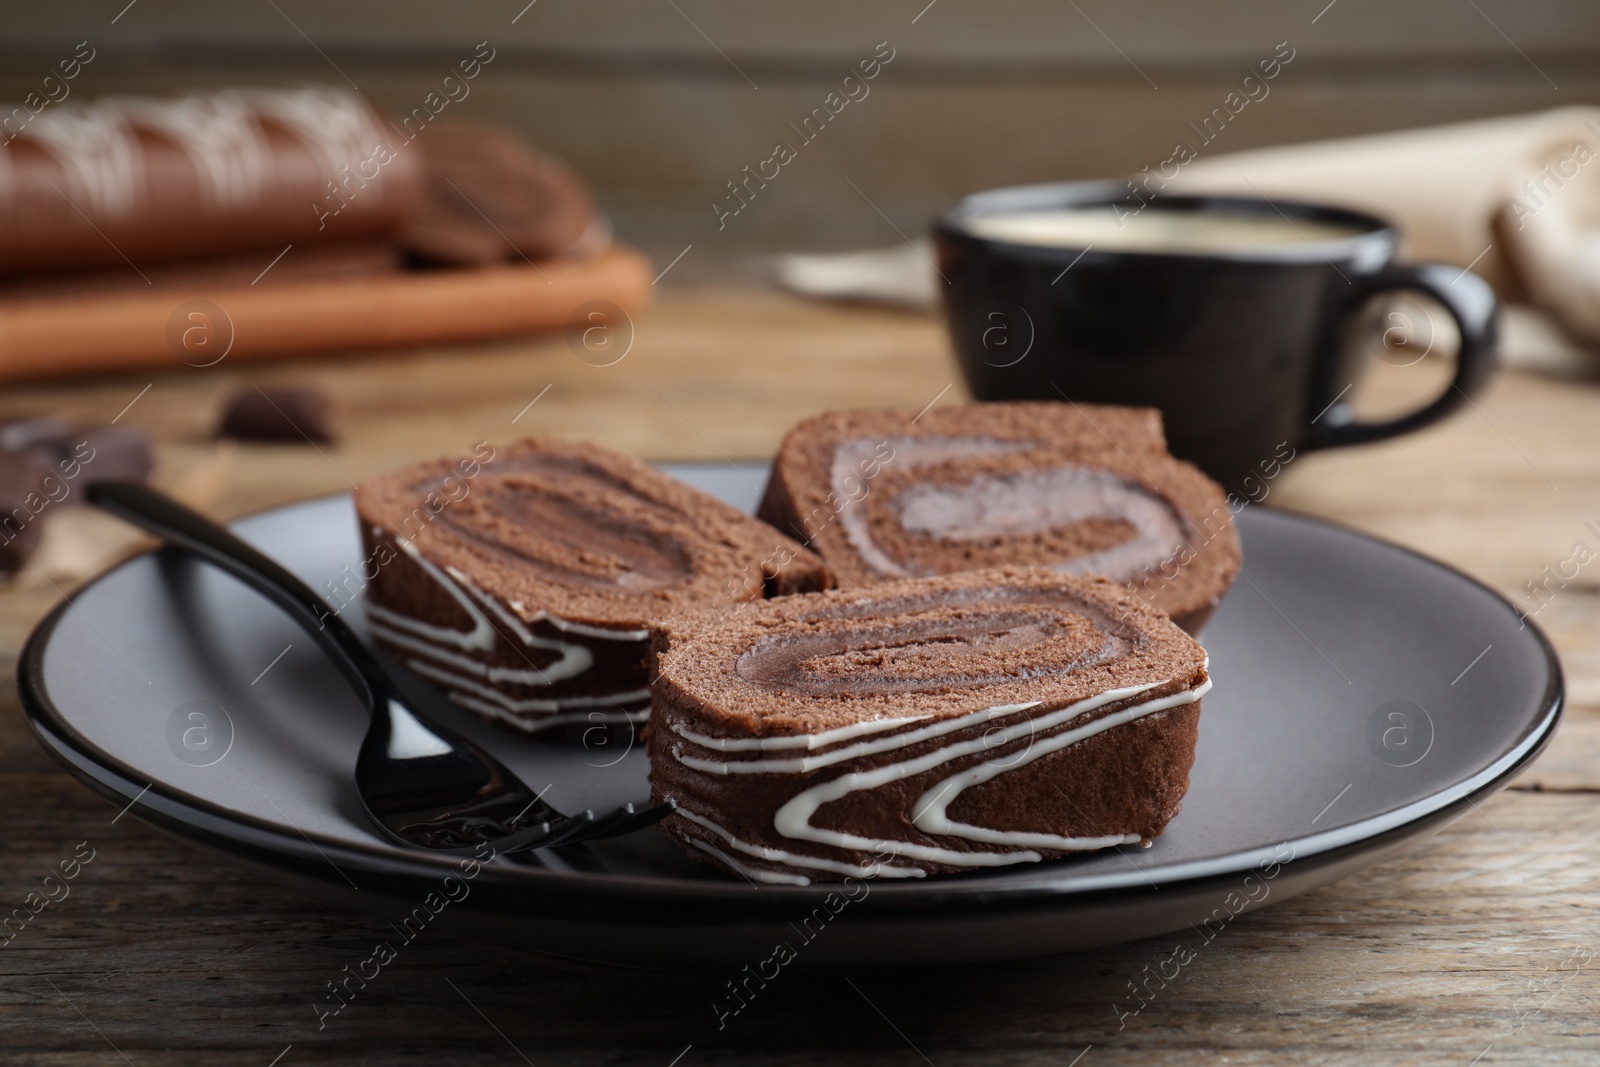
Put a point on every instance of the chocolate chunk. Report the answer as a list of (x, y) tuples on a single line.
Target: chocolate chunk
[(23, 499), (288, 414), (43, 459), (99, 453), (69, 453), (20, 431)]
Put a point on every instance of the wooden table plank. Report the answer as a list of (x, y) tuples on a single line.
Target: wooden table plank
[(1481, 937)]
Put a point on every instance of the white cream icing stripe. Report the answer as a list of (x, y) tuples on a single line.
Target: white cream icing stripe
[(98, 154), (932, 807), (487, 692), (794, 818), (822, 739), (778, 855), (777, 877), (577, 627), (849, 456), (220, 135), (865, 748), (794, 741), (513, 675), (1007, 505), (480, 638), (98, 149), (546, 721), (575, 659), (1035, 502), (426, 638), (335, 127)]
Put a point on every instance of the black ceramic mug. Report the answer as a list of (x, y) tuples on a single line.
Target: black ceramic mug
[(1239, 345)]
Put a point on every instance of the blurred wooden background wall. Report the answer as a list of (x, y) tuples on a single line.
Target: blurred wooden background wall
[(661, 102)]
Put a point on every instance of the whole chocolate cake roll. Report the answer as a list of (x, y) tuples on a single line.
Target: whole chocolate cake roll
[(138, 180), (526, 582), (923, 726), (890, 493), (490, 196)]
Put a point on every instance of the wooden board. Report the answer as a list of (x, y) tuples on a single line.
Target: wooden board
[(200, 326)]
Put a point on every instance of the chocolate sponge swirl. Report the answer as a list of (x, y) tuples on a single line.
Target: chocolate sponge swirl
[(526, 583), (1083, 489), (923, 726), (572, 523)]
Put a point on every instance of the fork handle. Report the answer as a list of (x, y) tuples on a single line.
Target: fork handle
[(192, 532)]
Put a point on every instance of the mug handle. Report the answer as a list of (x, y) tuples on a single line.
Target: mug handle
[(1467, 298)]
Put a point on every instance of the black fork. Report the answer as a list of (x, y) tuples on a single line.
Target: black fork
[(422, 784)]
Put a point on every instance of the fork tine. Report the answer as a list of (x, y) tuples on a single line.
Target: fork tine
[(545, 834), (575, 829), (563, 831), (633, 820), (606, 825)]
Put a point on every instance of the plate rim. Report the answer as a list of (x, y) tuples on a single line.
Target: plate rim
[(201, 823)]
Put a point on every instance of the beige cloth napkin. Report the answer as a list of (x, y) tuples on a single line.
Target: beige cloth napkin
[(901, 275), (1517, 198)]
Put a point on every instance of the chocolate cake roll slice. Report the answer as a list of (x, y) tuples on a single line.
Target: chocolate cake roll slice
[(923, 726), (525, 582), (1085, 489)]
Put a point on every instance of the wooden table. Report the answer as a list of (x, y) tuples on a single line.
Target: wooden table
[(1481, 941)]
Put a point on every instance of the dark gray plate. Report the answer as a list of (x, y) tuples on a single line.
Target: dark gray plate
[(1341, 727)]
